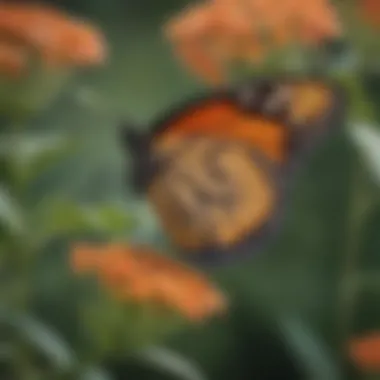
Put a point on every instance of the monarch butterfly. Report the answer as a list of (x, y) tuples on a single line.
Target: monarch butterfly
[(215, 168)]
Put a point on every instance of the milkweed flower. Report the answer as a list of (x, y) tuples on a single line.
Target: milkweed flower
[(56, 38), (211, 35), (144, 276), (370, 11), (13, 59), (365, 351)]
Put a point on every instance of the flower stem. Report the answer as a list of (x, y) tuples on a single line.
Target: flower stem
[(358, 207), (17, 249)]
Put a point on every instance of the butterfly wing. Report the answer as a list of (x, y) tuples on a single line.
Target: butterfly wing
[(213, 193), (309, 108), (215, 169), (281, 117), (216, 116), (223, 117)]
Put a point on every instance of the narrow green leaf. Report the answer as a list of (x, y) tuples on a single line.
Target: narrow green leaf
[(46, 341), (10, 213), (309, 349), (28, 146), (41, 338), (169, 362), (95, 373), (367, 140)]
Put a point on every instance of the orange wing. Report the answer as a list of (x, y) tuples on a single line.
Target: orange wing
[(264, 115), (223, 119), (309, 101), (212, 192), (218, 162), (297, 103)]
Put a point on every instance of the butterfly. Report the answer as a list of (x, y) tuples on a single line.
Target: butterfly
[(216, 169)]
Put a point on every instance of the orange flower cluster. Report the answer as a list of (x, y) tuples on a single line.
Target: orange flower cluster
[(210, 35), (58, 39), (370, 10), (142, 275), (365, 352), (13, 59)]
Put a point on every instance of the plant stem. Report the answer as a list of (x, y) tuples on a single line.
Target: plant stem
[(358, 208), (17, 249), (358, 203), (347, 294)]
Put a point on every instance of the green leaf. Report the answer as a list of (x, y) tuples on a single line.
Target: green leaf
[(6, 352), (62, 217), (90, 99), (10, 214), (103, 320), (361, 105), (367, 140), (27, 146), (115, 217), (33, 93), (114, 327), (95, 373), (31, 154), (309, 350), (171, 363), (45, 341)]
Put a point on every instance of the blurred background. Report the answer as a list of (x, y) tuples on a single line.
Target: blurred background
[(298, 310)]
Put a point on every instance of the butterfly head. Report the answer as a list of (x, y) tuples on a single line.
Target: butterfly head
[(137, 144)]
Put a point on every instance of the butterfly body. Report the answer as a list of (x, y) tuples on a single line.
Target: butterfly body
[(217, 169)]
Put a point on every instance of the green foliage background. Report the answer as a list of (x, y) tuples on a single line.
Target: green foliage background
[(293, 308)]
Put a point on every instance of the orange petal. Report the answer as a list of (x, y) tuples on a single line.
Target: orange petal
[(83, 259), (201, 63), (142, 275), (13, 60), (56, 36), (365, 351)]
